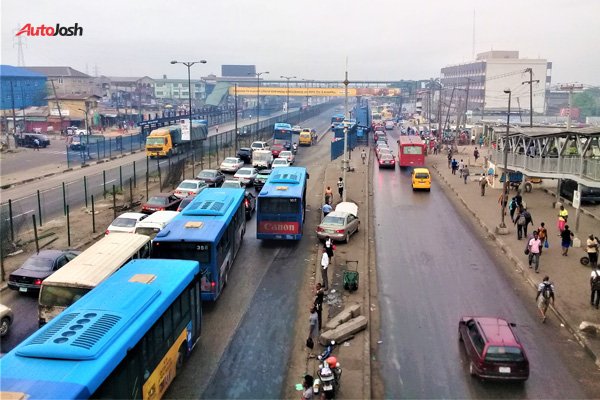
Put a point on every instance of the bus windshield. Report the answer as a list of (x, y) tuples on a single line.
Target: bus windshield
[(61, 296), (279, 205)]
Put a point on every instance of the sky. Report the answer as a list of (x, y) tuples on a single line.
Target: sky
[(309, 39)]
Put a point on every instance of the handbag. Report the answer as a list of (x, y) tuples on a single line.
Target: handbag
[(309, 343), (526, 252), (546, 244)]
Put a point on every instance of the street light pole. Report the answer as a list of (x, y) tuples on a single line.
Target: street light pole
[(235, 85), (505, 187), (306, 83), (287, 104), (189, 64), (257, 74)]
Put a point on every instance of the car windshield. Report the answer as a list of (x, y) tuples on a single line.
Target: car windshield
[(124, 222), (257, 145), (38, 264), (188, 185), (504, 354), (207, 174), (244, 172), (158, 200), (421, 175), (285, 154), (333, 220), (235, 185), (280, 161)]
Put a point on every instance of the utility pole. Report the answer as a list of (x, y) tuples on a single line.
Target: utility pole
[(12, 96), (530, 82), (345, 162), (57, 106), (236, 117), (439, 113), (570, 87), (467, 100), (449, 105)]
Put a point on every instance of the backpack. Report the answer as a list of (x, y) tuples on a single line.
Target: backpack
[(547, 291), (596, 281), (522, 220)]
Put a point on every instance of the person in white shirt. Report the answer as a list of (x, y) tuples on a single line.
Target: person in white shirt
[(324, 266), (592, 250), (595, 287)]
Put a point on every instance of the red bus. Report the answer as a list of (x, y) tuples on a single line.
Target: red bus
[(411, 151)]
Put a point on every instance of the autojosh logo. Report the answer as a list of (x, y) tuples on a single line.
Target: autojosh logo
[(48, 30)]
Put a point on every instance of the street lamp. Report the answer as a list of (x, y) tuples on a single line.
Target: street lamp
[(189, 64), (257, 74), (505, 188), (287, 104)]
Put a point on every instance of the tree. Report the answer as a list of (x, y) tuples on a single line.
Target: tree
[(588, 102)]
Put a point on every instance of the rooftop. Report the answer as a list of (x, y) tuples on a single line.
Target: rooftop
[(59, 72), (17, 72)]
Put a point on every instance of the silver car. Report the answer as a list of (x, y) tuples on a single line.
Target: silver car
[(340, 224), (6, 319)]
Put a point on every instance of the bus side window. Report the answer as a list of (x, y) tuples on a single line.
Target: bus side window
[(176, 312), (168, 327)]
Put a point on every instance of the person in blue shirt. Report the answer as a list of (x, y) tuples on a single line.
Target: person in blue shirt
[(326, 209)]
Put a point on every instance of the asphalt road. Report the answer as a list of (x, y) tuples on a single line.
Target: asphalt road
[(433, 268)]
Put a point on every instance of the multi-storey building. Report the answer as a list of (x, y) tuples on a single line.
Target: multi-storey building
[(486, 79), (178, 89), (65, 81), (21, 88)]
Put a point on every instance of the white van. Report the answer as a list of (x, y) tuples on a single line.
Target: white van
[(151, 225)]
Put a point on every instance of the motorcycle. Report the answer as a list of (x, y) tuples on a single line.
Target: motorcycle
[(329, 374), (294, 148)]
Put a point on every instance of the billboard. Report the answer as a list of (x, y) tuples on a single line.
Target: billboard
[(283, 91)]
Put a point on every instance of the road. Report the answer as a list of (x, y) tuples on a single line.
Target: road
[(433, 268)]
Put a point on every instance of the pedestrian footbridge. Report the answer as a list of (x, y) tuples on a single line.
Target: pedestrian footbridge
[(553, 153)]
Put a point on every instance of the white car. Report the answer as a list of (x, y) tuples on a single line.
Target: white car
[(389, 125), (231, 164), (246, 176), (259, 146), (231, 184), (125, 222), (190, 187), (280, 162), (288, 155)]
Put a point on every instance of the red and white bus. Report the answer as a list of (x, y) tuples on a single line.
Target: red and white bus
[(411, 151)]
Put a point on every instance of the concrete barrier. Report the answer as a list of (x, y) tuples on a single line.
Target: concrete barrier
[(344, 331), (349, 312)]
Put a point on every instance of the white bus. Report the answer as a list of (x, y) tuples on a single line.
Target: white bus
[(87, 270), (154, 223)]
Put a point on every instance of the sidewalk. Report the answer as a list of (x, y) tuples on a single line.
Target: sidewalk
[(571, 279), (353, 354)]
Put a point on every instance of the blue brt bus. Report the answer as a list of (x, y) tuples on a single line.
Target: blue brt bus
[(281, 205), (126, 339), (209, 230)]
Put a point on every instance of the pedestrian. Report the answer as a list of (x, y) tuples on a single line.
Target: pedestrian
[(512, 207), (519, 199), (543, 235), (340, 185), (592, 250), (465, 173), (563, 215), (454, 166), (476, 154), (217, 128), (461, 166), (595, 287), (36, 144), (545, 295), (566, 236), (313, 327), (449, 159), (326, 209), (318, 303), (363, 155), (534, 246), (328, 195), (503, 201), (522, 220), (483, 182), (324, 266), (307, 389)]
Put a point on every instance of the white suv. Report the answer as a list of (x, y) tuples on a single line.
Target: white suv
[(259, 146)]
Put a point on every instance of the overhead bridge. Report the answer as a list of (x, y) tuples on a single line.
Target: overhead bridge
[(554, 153)]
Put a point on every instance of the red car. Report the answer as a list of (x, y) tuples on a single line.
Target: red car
[(161, 202), (493, 348)]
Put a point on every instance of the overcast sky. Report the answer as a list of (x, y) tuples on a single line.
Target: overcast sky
[(383, 39)]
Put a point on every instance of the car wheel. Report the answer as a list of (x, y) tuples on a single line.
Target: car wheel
[(347, 238), (471, 369), (4, 325)]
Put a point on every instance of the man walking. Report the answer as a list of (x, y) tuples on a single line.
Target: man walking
[(340, 185), (461, 166), (592, 250), (454, 166), (522, 220), (534, 246), (565, 238), (465, 173), (482, 184), (318, 303), (326, 209), (363, 155), (313, 327), (324, 266), (595, 287), (543, 236), (476, 154), (36, 144), (544, 296)]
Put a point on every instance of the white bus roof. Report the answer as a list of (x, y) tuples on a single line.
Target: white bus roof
[(99, 261)]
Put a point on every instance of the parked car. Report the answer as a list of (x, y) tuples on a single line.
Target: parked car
[(249, 204), (588, 194), (125, 222), (493, 348), (280, 162), (184, 203), (27, 140), (231, 164), (211, 177), (340, 224), (230, 183), (161, 202), (288, 155), (6, 319), (261, 178), (190, 187), (258, 145), (246, 176), (245, 154), (386, 160), (29, 277)]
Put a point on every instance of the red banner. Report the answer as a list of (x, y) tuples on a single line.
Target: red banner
[(279, 227)]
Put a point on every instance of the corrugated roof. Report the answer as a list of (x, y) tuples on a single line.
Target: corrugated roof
[(17, 72), (59, 71), (218, 94)]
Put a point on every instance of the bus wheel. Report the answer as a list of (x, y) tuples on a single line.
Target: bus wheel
[(180, 357)]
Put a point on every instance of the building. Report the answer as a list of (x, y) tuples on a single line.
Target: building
[(484, 80), (21, 88), (131, 92), (72, 109), (178, 89), (67, 81)]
